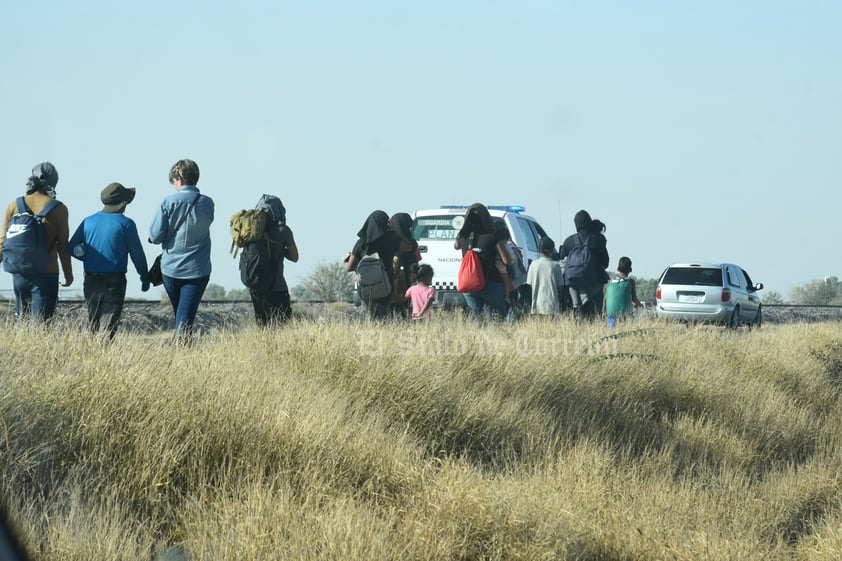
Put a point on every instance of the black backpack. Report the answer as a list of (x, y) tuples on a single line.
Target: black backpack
[(25, 249), (259, 262), (580, 267)]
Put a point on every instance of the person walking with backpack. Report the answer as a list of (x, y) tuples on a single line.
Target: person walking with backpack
[(620, 294), (104, 242), (271, 302), (405, 262), (372, 257), (586, 258), (33, 242), (182, 227), (478, 234)]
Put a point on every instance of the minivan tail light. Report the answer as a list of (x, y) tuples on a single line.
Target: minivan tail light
[(658, 293), (726, 294)]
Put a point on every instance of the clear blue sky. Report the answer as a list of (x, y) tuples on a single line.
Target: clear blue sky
[(694, 130)]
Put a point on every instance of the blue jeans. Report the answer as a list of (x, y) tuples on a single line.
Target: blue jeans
[(489, 298), (36, 295), (185, 295)]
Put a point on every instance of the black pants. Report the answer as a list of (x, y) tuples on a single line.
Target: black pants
[(104, 295), (271, 308)]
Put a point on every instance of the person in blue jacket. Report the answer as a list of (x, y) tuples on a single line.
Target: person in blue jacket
[(104, 242), (182, 227)]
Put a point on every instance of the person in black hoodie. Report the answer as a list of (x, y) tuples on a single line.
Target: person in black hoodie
[(405, 263), (376, 236), (479, 232), (586, 293)]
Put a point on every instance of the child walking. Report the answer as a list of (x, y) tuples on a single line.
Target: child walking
[(422, 293), (620, 294), (546, 279)]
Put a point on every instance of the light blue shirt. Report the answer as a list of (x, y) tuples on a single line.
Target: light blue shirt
[(187, 250)]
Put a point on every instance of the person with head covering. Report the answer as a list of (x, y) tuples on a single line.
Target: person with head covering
[(273, 306), (37, 292), (586, 295), (405, 262), (104, 242), (376, 236), (182, 227), (479, 234)]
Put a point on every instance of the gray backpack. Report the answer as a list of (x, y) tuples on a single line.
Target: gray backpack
[(373, 280)]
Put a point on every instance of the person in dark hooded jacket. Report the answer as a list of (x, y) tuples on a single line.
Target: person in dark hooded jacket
[(376, 236), (587, 297), (273, 307), (478, 233), (405, 263)]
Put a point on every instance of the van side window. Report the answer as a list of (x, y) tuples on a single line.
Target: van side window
[(528, 228), (734, 279)]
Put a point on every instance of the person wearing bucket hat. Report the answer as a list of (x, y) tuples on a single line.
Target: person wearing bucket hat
[(36, 292), (104, 242)]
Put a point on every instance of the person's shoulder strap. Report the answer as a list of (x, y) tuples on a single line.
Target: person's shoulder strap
[(21, 202), (47, 209)]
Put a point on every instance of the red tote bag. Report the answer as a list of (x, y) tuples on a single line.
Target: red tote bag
[(471, 277)]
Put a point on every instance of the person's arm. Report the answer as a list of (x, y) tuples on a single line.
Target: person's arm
[(6, 218), (635, 301), (292, 249), (77, 238), (158, 229), (350, 262), (292, 252), (136, 253), (62, 234), (504, 254), (558, 276), (427, 304), (602, 251)]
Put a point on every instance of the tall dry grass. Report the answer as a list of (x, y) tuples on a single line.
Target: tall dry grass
[(445, 440)]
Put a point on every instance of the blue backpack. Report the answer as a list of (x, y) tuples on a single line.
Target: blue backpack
[(580, 267), (25, 249)]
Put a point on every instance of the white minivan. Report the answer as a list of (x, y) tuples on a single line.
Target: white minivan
[(436, 229)]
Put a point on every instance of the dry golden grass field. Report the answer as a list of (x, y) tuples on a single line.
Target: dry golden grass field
[(447, 440)]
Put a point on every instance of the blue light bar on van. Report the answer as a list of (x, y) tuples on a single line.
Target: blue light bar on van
[(508, 208)]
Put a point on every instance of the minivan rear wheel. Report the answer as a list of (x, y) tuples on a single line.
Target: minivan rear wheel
[(734, 322)]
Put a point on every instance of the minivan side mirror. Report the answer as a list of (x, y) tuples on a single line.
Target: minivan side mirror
[(758, 286)]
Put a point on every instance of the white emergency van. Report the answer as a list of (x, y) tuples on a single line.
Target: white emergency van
[(436, 229)]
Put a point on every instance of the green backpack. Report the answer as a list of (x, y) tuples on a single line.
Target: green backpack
[(618, 298), (247, 226)]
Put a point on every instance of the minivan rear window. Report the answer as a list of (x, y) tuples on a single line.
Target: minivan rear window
[(698, 276)]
